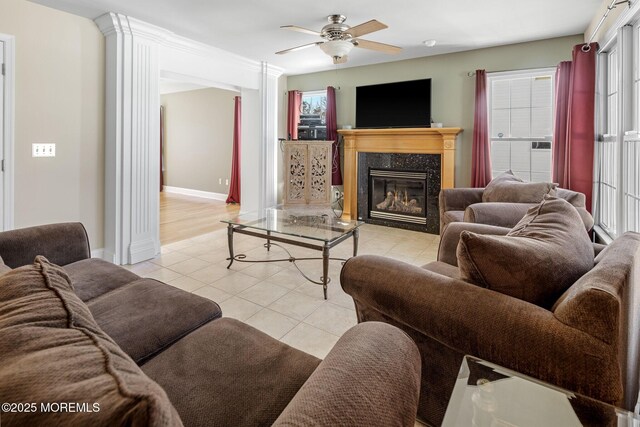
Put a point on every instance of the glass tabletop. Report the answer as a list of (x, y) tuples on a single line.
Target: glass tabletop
[(306, 222), (488, 395)]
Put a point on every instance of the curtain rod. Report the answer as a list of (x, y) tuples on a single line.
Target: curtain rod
[(473, 73), (612, 6)]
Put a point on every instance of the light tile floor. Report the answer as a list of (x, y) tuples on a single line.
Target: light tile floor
[(275, 297)]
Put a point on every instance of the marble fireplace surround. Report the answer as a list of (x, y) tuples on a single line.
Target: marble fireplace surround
[(440, 141), (428, 163)]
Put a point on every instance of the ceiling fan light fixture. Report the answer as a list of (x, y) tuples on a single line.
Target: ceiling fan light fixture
[(336, 48)]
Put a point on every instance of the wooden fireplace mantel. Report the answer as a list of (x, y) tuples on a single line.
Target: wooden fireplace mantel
[(409, 141)]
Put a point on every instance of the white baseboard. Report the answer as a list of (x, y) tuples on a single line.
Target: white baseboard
[(97, 253), (195, 193), (141, 250)]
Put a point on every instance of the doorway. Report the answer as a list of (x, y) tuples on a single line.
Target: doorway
[(197, 123), (2, 83), (7, 44)]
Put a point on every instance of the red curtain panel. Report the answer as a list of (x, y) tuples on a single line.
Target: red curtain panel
[(293, 113), (559, 173), (332, 135), (481, 149), (234, 187), (580, 121)]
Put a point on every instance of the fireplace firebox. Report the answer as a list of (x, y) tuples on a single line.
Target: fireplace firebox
[(398, 195), (414, 183)]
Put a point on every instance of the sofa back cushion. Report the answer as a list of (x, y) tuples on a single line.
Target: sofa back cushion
[(507, 187), (62, 243), (544, 254), (52, 353)]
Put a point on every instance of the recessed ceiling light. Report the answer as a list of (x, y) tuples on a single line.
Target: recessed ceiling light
[(429, 43)]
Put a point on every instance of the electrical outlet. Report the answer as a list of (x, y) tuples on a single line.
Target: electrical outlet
[(220, 181), (43, 150), (226, 182)]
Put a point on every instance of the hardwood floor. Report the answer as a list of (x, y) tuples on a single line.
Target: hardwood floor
[(183, 217)]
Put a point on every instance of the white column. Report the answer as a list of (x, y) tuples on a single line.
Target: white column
[(250, 152), (270, 148), (136, 54), (132, 151)]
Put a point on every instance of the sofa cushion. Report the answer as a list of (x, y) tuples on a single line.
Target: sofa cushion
[(53, 351), (507, 187), (227, 373), (93, 277), (146, 316), (544, 254), (501, 214)]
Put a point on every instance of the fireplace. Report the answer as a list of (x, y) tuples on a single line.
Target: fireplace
[(398, 195), (399, 190)]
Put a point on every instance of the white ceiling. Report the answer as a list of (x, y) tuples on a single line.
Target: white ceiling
[(251, 27)]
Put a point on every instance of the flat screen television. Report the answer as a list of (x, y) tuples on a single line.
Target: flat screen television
[(394, 105)]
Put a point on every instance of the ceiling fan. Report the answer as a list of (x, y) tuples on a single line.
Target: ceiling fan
[(339, 38)]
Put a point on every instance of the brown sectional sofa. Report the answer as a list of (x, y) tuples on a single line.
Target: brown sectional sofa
[(588, 341), (214, 371)]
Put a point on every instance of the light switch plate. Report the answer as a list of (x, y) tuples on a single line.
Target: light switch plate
[(43, 150)]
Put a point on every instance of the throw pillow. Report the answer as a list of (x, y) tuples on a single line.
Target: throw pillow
[(541, 257), (507, 187), (57, 367)]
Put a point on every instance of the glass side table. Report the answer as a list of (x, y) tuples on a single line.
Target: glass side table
[(488, 395)]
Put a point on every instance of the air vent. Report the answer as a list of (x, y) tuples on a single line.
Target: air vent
[(541, 145)]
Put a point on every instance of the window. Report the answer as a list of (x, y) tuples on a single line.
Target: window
[(521, 122), (315, 104), (607, 174), (631, 177), (617, 172)]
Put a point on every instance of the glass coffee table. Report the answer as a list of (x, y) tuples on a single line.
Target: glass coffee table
[(488, 395), (311, 228)]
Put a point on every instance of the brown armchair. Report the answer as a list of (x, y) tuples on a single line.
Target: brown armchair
[(466, 205), (587, 342)]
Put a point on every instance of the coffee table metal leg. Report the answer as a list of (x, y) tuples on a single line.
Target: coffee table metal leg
[(325, 269), (356, 234), (230, 240)]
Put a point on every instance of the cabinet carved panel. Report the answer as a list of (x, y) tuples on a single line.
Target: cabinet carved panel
[(307, 168), (297, 169)]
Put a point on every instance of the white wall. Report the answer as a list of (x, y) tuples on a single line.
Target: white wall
[(198, 139), (59, 98)]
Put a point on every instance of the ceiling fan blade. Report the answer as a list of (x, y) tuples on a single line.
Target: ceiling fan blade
[(300, 30), (293, 49), (366, 28), (340, 60), (380, 47)]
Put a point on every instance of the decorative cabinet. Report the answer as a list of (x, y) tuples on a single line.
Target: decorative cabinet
[(307, 168)]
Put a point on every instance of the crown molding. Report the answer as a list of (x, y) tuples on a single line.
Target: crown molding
[(272, 70)]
